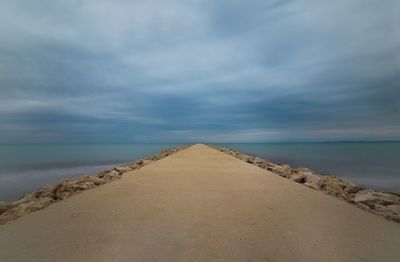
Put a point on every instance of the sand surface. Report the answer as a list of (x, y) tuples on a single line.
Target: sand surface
[(200, 205)]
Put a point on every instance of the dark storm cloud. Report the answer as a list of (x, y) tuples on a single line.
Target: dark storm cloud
[(125, 71)]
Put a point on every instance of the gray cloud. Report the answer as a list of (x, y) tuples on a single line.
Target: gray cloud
[(124, 71)]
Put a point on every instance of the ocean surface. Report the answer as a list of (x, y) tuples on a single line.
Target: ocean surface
[(371, 164), (23, 168)]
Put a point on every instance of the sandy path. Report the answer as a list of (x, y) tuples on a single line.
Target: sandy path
[(200, 205)]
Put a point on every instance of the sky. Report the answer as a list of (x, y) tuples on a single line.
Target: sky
[(95, 71)]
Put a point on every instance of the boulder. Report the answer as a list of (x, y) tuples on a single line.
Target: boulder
[(28, 203), (352, 188), (299, 178), (385, 204), (392, 212), (43, 192), (70, 186), (25, 208), (43, 197), (164, 153), (102, 173), (262, 165), (282, 170), (155, 158), (302, 170), (123, 169), (246, 158), (134, 166), (147, 161), (167, 152), (254, 160), (4, 206), (314, 181), (109, 175), (260, 162), (334, 186), (249, 160), (374, 198), (307, 176)]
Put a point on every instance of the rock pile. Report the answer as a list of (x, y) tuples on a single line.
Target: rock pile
[(381, 203), (48, 195)]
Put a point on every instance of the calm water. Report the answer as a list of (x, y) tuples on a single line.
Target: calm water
[(24, 168), (372, 164)]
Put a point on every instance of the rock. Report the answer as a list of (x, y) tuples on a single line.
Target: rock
[(352, 188), (4, 206), (373, 198), (282, 170), (109, 175), (246, 158), (392, 212), (25, 208), (155, 158), (260, 162), (263, 165), (299, 178), (385, 204), (302, 170), (308, 177), (165, 153), (30, 202), (254, 160), (68, 187), (388, 208), (334, 186), (313, 180), (392, 217), (43, 197), (43, 192), (134, 166), (147, 161), (102, 173), (362, 206), (123, 169)]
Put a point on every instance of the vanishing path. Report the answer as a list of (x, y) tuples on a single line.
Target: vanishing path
[(200, 205)]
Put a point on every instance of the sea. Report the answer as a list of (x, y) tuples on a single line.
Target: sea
[(371, 164), (24, 168)]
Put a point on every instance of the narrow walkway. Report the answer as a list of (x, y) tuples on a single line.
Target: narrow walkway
[(200, 205)]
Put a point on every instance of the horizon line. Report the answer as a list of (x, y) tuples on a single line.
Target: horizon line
[(205, 142)]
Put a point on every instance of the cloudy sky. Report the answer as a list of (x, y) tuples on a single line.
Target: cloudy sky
[(99, 71)]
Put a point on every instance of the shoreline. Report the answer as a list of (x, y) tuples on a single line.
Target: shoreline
[(381, 203), (371, 165), (200, 203), (386, 204), (50, 194)]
